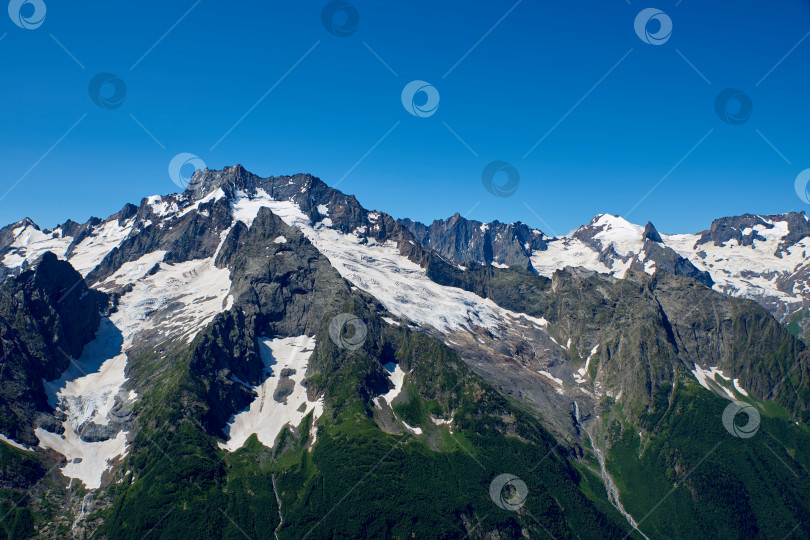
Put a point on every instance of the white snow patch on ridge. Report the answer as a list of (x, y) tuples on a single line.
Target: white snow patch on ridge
[(14, 443), (747, 271), (548, 375), (564, 252), (397, 377), (707, 379), (625, 236), (579, 375), (266, 417)]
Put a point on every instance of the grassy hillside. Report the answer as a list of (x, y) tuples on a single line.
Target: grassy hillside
[(689, 477)]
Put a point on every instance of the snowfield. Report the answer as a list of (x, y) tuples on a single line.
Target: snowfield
[(86, 392), (195, 291), (380, 270), (30, 243), (269, 413), (754, 272), (397, 377)]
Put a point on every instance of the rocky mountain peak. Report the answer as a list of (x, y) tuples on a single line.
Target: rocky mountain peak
[(206, 180), (650, 233)]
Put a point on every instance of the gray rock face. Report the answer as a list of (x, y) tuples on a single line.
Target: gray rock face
[(466, 241), (285, 388), (307, 191), (650, 330), (667, 260), (194, 235), (282, 286), (650, 233), (733, 228), (47, 316)]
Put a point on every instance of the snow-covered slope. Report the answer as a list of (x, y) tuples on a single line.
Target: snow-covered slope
[(281, 399), (779, 279), (767, 266), (382, 271), (30, 242)]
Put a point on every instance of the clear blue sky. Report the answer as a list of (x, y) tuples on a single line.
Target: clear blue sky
[(328, 112)]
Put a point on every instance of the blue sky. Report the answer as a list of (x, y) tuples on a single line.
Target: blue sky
[(618, 117)]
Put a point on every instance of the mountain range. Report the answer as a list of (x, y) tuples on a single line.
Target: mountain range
[(265, 357)]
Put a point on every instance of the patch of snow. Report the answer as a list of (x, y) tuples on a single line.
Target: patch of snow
[(414, 430), (132, 271), (213, 196), (379, 269), (161, 207), (245, 209), (752, 271), (390, 321), (739, 388), (14, 443), (564, 252), (548, 375), (280, 240), (86, 461), (265, 416), (92, 250), (539, 321), (323, 209), (625, 237), (397, 377), (707, 380)]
